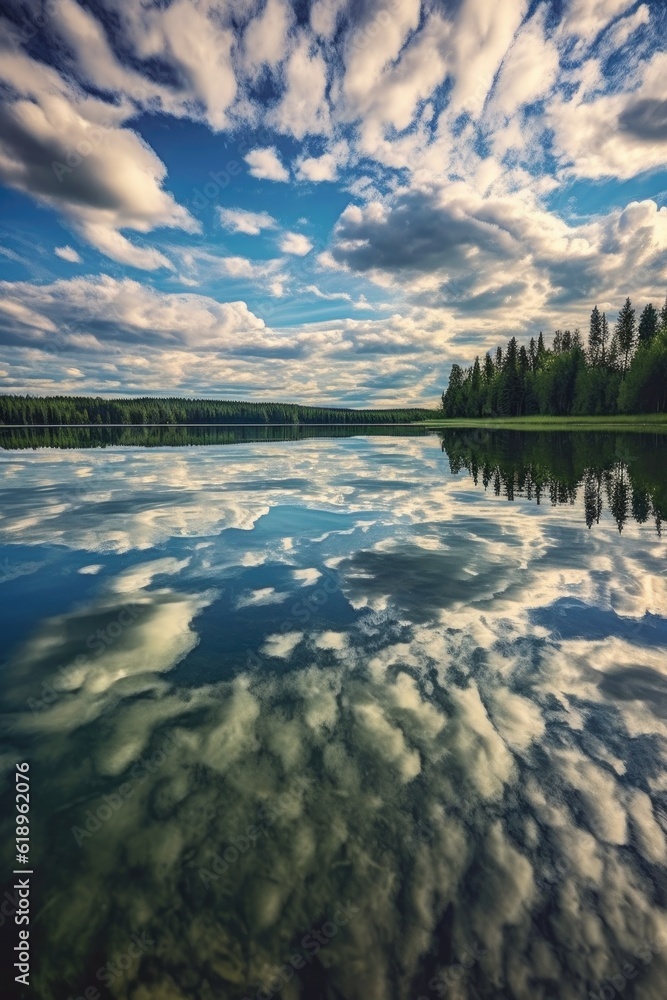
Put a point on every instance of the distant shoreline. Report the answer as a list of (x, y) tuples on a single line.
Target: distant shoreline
[(365, 423), (636, 421)]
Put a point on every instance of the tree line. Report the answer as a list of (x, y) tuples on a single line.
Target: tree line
[(619, 371), (78, 410)]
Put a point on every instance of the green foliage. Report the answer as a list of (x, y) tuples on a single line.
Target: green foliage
[(644, 389), (648, 324), (627, 374), (80, 410)]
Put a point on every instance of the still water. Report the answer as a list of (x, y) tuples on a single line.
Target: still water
[(366, 717)]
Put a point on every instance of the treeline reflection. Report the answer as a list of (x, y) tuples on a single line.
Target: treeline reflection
[(624, 474), (180, 436)]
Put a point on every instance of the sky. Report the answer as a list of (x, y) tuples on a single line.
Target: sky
[(321, 201)]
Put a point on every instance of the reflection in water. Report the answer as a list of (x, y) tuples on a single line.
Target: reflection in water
[(315, 719), (624, 471), (180, 436)]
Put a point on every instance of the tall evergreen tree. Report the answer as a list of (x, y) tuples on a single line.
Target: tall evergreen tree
[(488, 369), (605, 339), (626, 332), (476, 377), (663, 315), (648, 324), (499, 359), (541, 349), (532, 354), (595, 337), (614, 353)]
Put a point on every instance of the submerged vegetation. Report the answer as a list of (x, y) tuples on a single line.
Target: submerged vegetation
[(613, 373)]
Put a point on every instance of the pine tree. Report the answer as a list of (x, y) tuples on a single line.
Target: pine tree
[(476, 376), (663, 315), (648, 324), (499, 359), (626, 331), (614, 353), (541, 349), (558, 342), (604, 339), (532, 354), (595, 337), (488, 369)]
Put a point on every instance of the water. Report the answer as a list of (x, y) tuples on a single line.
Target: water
[(350, 718)]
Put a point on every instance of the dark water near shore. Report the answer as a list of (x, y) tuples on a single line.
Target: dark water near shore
[(339, 715)]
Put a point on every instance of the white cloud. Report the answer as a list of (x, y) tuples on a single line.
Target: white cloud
[(295, 243), (303, 109), (328, 296), (529, 70), (238, 220), (587, 18), (324, 167), (265, 38), (68, 253), (619, 134), (619, 34), (265, 164), (105, 309), (317, 168), (72, 152)]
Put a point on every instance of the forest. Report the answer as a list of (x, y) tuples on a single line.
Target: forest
[(619, 371), (81, 410)]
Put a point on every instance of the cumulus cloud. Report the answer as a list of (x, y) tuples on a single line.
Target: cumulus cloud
[(453, 130), (303, 109), (239, 220), (72, 152), (106, 309), (617, 134), (265, 38), (295, 243), (324, 167), (266, 165), (455, 249)]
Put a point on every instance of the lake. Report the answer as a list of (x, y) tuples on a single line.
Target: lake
[(337, 715)]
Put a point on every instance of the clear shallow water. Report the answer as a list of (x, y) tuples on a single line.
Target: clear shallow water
[(336, 700)]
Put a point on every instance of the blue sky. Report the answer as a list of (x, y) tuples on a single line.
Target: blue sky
[(324, 201)]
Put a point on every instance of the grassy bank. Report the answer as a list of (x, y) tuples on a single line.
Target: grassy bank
[(634, 422)]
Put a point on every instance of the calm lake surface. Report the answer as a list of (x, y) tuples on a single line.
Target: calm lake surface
[(351, 717)]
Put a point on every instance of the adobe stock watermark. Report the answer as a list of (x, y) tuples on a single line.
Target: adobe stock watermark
[(312, 942), (142, 769)]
